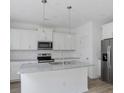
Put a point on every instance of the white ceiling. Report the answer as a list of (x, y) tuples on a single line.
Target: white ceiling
[(30, 11)]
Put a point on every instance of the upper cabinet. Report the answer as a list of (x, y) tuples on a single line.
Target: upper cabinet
[(58, 41), (107, 31), (23, 39), (45, 35), (63, 41), (27, 39), (15, 39)]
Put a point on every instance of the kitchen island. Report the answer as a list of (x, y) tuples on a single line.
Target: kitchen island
[(59, 77)]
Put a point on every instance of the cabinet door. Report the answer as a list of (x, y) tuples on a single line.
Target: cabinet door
[(73, 42), (40, 35), (48, 35), (32, 40), (69, 42), (28, 40), (15, 39), (44, 35), (24, 40), (14, 68), (55, 41), (58, 41), (63, 41)]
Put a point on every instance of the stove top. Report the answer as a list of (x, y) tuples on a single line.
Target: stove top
[(44, 58)]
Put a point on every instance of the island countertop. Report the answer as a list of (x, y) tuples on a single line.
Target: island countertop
[(41, 67)]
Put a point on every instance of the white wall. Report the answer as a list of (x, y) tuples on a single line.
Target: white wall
[(88, 46)]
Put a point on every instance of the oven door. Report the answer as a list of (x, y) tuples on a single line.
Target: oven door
[(45, 45)]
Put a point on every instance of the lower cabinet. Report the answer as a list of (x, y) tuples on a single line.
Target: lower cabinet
[(14, 68), (15, 39)]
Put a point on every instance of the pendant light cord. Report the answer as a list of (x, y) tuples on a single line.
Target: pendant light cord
[(44, 2), (43, 16), (69, 18)]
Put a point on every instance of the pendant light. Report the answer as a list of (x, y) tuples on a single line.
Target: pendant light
[(44, 4), (69, 19)]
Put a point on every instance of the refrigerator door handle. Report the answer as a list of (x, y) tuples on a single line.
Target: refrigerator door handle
[(108, 61), (108, 56)]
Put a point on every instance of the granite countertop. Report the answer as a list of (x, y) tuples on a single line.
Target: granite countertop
[(41, 67), (17, 60)]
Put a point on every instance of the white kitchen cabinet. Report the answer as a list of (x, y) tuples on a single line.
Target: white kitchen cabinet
[(48, 35), (58, 41), (15, 39), (33, 40), (14, 68), (40, 36), (107, 31), (45, 35), (73, 42), (69, 42), (23, 39), (28, 40), (63, 41)]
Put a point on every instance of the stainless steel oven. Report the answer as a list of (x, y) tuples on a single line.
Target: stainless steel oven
[(45, 58), (45, 45)]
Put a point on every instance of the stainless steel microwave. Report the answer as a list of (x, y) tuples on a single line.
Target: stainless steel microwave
[(45, 45)]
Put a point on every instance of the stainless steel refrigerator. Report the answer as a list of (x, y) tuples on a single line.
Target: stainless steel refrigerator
[(107, 60)]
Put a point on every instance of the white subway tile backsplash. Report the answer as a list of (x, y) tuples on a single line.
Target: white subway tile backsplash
[(32, 55)]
